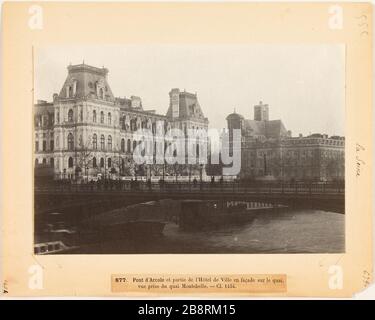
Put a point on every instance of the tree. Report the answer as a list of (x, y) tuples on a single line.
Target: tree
[(84, 156)]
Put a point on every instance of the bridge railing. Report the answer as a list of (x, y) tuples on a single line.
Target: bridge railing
[(206, 187)]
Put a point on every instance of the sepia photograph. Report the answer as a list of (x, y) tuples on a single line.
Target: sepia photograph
[(195, 149), (157, 149)]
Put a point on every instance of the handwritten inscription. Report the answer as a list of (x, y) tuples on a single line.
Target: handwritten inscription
[(359, 162), (5, 287), (362, 23), (366, 276)]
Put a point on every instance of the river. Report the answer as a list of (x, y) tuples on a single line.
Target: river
[(288, 231)]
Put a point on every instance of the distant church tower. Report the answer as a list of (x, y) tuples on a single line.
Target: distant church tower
[(261, 112)]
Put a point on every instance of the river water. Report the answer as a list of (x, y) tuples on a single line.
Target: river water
[(287, 231)]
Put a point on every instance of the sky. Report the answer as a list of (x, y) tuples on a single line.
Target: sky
[(304, 85)]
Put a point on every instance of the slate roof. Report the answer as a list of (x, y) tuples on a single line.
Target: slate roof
[(86, 77), (269, 129), (189, 107)]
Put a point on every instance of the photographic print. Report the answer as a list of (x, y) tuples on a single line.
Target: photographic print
[(189, 149), (186, 149)]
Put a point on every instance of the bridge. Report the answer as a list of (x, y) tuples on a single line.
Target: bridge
[(83, 200)]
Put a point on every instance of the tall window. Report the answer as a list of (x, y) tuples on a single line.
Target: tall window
[(81, 115), (101, 93), (57, 117), (95, 141), (44, 145), (70, 162), (109, 161), (70, 115), (129, 145), (102, 142), (94, 116), (36, 162), (36, 145), (102, 117), (122, 145), (122, 165), (109, 143), (101, 162), (109, 118), (94, 162), (51, 145), (52, 162), (70, 141)]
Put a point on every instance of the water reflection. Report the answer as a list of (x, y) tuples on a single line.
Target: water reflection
[(286, 231)]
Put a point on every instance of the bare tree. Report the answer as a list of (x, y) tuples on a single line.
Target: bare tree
[(84, 156)]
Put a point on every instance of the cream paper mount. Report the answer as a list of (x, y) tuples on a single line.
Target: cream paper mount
[(285, 211)]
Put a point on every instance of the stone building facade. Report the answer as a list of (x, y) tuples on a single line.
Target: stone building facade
[(88, 132), (270, 152)]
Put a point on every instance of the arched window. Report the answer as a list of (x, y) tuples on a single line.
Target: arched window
[(129, 145), (101, 162), (102, 117), (70, 162), (94, 162), (95, 141), (70, 115), (109, 118), (109, 143), (52, 162), (109, 161), (133, 124), (134, 144), (101, 93), (94, 116), (122, 145), (70, 141), (102, 142), (81, 115)]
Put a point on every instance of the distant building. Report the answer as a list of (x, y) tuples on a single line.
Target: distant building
[(269, 152), (87, 131)]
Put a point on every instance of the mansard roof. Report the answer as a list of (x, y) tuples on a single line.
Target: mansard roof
[(189, 107), (89, 80)]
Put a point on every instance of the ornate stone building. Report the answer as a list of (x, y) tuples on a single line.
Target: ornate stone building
[(88, 132), (268, 150)]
